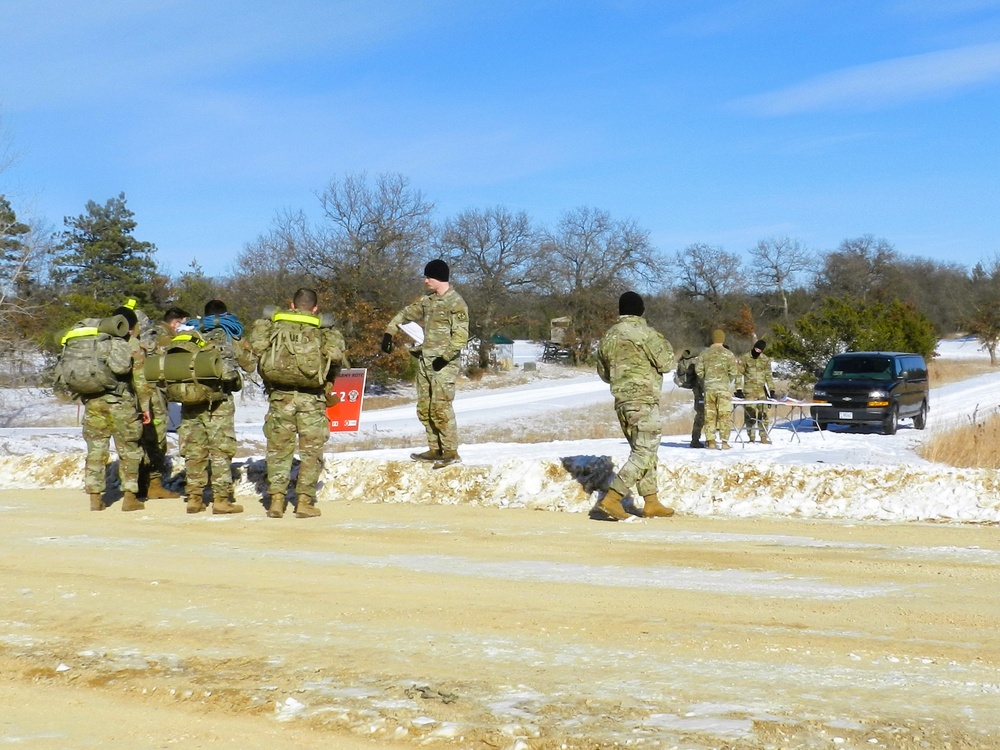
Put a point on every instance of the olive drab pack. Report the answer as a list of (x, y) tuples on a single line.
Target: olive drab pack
[(95, 358), (191, 370), (232, 378), (292, 355), (684, 375)]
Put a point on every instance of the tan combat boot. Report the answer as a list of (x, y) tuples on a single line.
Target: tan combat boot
[(653, 508), (751, 438), (304, 508), (157, 491), (428, 455), (448, 457), (611, 504), (225, 506), (194, 501), (764, 438), (277, 507), (129, 502), (710, 444), (96, 501), (726, 446)]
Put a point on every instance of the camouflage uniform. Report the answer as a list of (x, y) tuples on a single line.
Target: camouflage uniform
[(632, 357), (154, 434), (757, 383), (207, 432), (445, 320), (297, 412), (717, 369), (117, 415)]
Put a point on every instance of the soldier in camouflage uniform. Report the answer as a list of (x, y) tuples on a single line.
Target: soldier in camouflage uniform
[(633, 357), (298, 411), (756, 382), (717, 369), (119, 414), (207, 432), (154, 339), (444, 317)]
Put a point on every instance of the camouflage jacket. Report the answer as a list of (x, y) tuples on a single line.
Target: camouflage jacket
[(755, 374), (717, 369), (632, 357), (445, 320), (140, 386)]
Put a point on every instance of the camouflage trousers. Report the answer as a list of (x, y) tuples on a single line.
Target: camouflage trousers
[(699, 414), (208, 443), (154, 434), (105, 417), (755, 415), (435, 396), (291, 414), (718, 415), (641, 425)]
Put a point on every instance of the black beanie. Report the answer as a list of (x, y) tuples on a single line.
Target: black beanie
[(437, 269), (630, 303), (758, 348)]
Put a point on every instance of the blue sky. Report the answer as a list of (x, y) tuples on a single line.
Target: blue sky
[(710, 121)]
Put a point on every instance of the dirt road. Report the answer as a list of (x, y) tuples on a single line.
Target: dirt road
[(389, 626)]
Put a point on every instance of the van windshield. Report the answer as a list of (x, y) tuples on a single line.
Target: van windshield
[(857, 368)]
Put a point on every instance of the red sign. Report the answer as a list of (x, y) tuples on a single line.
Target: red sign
[(350, 386)]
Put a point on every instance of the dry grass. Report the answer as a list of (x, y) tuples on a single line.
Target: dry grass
[(972, 446), (943, 371)]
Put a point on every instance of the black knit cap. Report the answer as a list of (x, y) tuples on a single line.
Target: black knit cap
[(630, 303), (437, 269), (760, 345)]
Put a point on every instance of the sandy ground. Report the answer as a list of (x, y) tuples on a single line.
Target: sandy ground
[(392, 626)]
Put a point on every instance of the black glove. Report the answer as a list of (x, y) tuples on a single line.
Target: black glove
[(439, 363), (739, 393), (387, 342)]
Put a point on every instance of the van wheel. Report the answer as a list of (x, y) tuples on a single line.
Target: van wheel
[(891, 421), (920, 421)]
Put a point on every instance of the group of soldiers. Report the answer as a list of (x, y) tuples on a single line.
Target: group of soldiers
[(297, 341), (632, 359)]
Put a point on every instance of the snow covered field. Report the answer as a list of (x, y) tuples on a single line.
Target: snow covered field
[(841, 473)]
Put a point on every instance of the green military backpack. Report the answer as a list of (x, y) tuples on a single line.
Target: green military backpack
[(94, 355), (232, 378), (291, 348), (190, 369), (684, 375)]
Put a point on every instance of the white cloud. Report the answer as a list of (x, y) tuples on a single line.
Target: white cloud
[(883, 84)]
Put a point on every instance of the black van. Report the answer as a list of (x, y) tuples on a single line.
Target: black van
[(872, 388)]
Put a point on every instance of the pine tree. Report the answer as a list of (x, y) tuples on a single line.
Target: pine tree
[(99, 262), (14, 253)]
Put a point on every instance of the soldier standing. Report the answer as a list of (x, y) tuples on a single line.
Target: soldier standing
[(632, 358), (444, 317), (207, 431), (717, 369), (299, 356), (119, 414), (757, 383), (154, 435)]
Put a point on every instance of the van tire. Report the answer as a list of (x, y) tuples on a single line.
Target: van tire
[(920, 419), (891, 421)]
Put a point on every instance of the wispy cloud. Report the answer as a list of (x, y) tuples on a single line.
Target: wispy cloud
[(882, 84)]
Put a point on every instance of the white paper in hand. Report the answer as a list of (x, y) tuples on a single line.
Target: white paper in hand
[(414, 331)]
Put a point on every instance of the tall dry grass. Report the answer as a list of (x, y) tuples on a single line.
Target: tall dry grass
[(975, 445)]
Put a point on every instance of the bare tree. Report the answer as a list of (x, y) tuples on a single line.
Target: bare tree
[(984, 320), (498, 254), (708, 274), (778, 264), (592, 259), (373, 239), (860, 268)]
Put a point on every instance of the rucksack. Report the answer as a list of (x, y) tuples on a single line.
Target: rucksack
[(684, 375), (94, 357), (291, 350), (232, 378), (190, 369)]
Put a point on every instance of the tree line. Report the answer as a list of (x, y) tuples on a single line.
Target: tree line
[(374, 234)]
